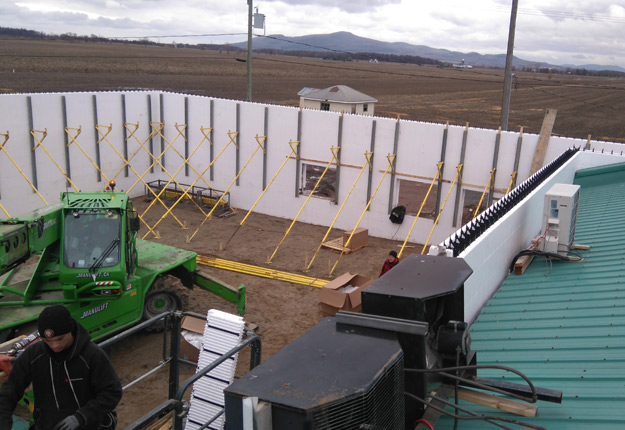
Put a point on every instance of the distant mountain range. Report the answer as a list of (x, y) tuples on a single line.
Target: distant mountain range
[(344, 41)]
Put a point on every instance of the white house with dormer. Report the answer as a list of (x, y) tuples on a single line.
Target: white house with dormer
[(338, 98)]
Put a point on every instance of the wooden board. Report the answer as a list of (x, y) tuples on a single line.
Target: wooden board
[(496, 402), (337, 245), (523, 262), (543, 140)]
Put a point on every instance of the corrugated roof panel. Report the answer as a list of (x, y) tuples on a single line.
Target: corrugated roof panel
[(563, 323)]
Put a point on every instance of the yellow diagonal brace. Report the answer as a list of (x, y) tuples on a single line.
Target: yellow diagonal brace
[(197, 179), (334, 151), (104, 131), (479, 205), (186, 162), (233, 135), (5, 211), (2, 148), (170, 181), (293, 149), (391, 160), (438, 172), (512, 182), (140, 179), (260, 146), (73, 137), (451, 187), (44, 133), (336, 217), (156, 161)]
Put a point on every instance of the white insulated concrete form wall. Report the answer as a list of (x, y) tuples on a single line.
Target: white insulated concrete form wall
[(86, 117)]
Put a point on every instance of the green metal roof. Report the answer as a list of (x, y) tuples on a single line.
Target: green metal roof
[(563, 323)]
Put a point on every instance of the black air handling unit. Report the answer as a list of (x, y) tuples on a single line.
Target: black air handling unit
[(347, 373), (429, 289), (332, 377)]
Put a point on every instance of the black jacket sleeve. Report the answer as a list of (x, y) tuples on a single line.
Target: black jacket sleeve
[(13, 389), (105, 385)]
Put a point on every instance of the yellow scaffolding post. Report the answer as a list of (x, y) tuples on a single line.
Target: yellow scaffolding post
[(44, 133), (73, 137), (334, 151), (260, 146), (367, 163), (477, 209), (293, 145), (438, 172), (194, 182), (2, 148), (391, 160), (451, 187)]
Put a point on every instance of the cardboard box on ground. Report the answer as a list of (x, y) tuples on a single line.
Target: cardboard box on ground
[(343, 293), (191, 337), (360, 238)]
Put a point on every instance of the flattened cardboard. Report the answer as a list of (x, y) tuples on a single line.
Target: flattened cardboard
[(196, 325), (331, 299)]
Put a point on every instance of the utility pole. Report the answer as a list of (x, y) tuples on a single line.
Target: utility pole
[(507, 80), (249, 49)]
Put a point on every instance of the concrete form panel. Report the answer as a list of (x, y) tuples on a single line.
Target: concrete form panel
[(419, 148)]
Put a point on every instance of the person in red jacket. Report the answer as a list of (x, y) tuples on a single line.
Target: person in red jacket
[(390, 262), (75, 385)]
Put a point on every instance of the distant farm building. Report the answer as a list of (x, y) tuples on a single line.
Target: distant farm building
[(338, 98)]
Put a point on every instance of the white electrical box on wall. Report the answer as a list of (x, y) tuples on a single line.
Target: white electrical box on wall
[(559, 218)]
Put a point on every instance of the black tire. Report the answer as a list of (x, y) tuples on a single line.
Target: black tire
[(165, 295)]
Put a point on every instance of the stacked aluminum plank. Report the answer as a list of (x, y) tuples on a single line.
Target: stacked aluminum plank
[(222, 332)]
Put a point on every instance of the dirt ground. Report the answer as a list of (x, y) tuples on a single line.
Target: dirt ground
[(281, 310)]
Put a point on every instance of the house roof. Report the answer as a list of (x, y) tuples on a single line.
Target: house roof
[(336, 93), (563, 323)]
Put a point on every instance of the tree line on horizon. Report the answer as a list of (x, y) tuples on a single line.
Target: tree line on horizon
[(333, 55)]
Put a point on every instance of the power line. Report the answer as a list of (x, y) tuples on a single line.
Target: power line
[(176, 35)]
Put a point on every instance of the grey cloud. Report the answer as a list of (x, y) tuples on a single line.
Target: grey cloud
[(351, 6)]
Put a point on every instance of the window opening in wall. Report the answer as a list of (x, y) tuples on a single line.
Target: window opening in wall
[(311, 174), (325, 106), (365, 107), (353, 108), (411, 195), (471, 200)]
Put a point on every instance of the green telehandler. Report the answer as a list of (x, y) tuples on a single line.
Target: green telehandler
[(83, 252)]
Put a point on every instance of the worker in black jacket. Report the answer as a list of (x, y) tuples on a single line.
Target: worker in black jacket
[(74, 383)]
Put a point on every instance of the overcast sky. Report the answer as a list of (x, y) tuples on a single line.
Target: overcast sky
[(554, 31)]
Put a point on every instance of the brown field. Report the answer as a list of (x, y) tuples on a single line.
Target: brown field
[(586, 105), (283, 311)]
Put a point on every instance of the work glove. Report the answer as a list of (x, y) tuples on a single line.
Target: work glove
[(69, 423)]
